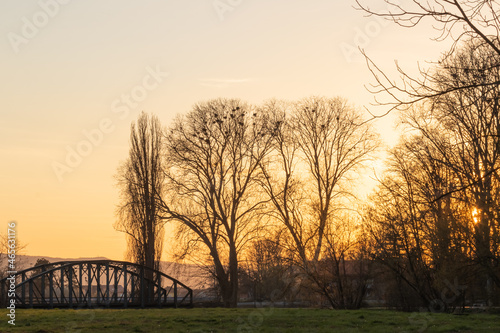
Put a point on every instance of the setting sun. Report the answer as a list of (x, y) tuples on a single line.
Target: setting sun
[(475, 215)]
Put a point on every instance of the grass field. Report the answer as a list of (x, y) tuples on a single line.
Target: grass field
[(245, 320)]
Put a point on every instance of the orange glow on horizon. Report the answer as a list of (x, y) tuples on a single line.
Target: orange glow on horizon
[(69, 95)]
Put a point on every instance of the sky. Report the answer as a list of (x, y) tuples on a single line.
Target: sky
[(75, 74)]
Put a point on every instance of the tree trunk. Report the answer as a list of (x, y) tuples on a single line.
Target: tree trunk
[(233, 279)]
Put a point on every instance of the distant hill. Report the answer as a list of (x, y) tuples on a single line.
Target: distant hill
[(24, 261)]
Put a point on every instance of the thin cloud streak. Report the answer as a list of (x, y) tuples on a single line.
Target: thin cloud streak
[(221, 83)]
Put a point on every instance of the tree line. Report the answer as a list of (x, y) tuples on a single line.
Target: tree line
[(263, 195), (235, 174)]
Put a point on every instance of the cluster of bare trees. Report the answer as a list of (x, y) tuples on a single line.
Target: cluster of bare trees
[(231, 174), (266, 192), (435, 217)]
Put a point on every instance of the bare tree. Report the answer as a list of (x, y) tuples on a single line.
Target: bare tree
[(437, 207), (40, 283), (213, 155), (316, 151), (463, 127), (140, 178), (10, 251), (462, 21), (269, 268), (422, 237), (460, 94)]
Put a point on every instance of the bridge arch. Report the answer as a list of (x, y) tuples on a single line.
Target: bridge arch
[(95, 283)]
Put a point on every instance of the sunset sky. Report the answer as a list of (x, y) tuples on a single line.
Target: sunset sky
[(75, 72)]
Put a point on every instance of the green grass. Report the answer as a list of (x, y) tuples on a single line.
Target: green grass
[(244, 320)]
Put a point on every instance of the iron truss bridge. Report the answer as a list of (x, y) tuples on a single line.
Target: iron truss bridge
[(101, 283)]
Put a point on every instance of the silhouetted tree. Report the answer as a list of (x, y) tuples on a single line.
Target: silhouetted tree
[(271, 272), (462, 21), (419, 235), (41, 282), (317, 149), (15, 258), (438, 206), (140, 180), (463, 128), (213, 156)]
